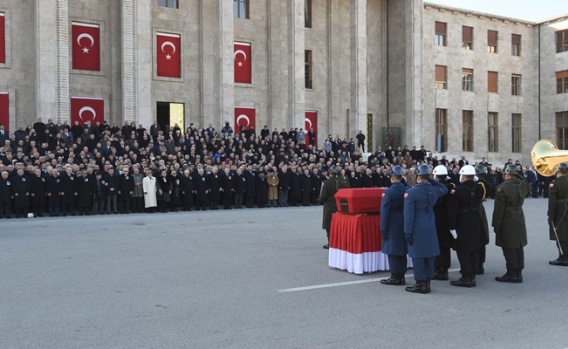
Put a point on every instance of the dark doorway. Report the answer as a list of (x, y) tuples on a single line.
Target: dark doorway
[(169, 115)]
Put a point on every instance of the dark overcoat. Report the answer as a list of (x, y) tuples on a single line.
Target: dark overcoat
[(392, 220), (508, 217)]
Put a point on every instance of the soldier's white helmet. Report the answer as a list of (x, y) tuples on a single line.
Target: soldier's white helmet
[(440, 170), (467, 170)]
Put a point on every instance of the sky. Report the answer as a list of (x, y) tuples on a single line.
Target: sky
[(529, 10)]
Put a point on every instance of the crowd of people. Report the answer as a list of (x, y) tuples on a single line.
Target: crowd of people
[(57, 169)]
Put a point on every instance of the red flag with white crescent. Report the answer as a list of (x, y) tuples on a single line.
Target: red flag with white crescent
[(311, 123), (244, 117), (168, 55), (243, 63), (2, 38), (86, 46), (5, 111), (87, 109)]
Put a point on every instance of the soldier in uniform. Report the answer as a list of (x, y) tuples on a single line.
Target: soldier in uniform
[(466, 225), (558, 213), (509, 223), (392, 228), (420, 227), (327, 198), (480, 172), (443, 262)]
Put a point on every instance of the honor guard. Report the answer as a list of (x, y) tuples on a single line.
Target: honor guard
[(509, 223), (558, 214), (327, 198), (480, 172), (392, 228), (466, 225), (443, 262), (420, 227)]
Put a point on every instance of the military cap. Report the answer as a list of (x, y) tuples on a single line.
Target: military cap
[(396, 171), (480, 169), (511, 169), (333, 169), (423, 170), (563, 167)]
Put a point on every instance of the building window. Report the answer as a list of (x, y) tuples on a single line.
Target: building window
[(562, 41), (168, 3), (308, 13), (492, 36), (467, 133), (467, 79), (562, 81), (516, 85), (516, 45), (467, 38), (441, 77), (441, 129), (562, 130), (440, 34), (492, 82), (308, 68), (241, 9), (516, 136), (493, 132)]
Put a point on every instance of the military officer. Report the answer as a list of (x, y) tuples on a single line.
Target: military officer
[(328, 190), (392, 228), (420, 227), (558, 213), (466, 225), (509, 223), (443, 262), (480, 172)]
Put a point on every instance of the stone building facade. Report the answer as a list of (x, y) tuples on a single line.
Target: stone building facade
[(366, 65)]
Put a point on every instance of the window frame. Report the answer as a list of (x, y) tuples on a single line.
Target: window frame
[(492, 48), (237, 5), (516, 85), (516, 133), (441, 84), (308, 13), (493, 132), (441, 127), (168, 2), (440, 36), (467, 45), (308, 69), (562, 41), (561, 129), (562, 82), (467, 130), (516, 47), (467, 80), (496, 84)]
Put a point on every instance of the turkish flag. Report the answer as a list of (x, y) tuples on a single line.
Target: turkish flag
[(311, 123), (244, 117), (168, 55), (87, 109), (2, 38), (243, 65), (86, 47), (5, 111)]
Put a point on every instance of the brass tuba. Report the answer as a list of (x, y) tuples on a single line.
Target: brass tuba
[(546, 157)]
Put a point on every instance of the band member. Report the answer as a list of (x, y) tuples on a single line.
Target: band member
[(509, 223), (558, 214)]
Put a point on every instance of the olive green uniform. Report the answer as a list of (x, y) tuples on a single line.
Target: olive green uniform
[(509, 222), (558, 211), (327, 198)]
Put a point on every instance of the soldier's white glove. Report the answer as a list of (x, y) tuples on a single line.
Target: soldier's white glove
[(454, 233)]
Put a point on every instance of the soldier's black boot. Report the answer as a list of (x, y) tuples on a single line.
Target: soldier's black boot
[(464, 281), (473, 282), (395, 280), (519, 275), (441, 274), (510, 276), (481, 270), (562, 261), (419, 287), (428, 285)]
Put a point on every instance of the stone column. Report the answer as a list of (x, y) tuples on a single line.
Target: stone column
[(208, 29), (277, 93), (358, 85), (296, 53), (143, 56), (128, 61), (63, 99), (47, 59), (226, 79), (414, 74)]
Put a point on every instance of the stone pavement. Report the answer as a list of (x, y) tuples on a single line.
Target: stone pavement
[(215, 279)]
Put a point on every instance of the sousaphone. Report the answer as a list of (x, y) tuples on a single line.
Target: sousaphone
[(546, 157)]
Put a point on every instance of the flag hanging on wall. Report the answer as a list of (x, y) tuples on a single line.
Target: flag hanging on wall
[(245, 118), (87, 109), (2, 38), (5, 111), (86, 46), (168, 55), (311, 124), (243, 63)]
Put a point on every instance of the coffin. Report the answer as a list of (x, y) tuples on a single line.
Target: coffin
[(359, 200)]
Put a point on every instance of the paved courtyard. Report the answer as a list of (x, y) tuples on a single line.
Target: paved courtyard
[(242, 279)]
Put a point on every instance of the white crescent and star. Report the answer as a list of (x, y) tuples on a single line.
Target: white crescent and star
[(243, 116), (88, 36), (171, 44), (309, 122), (87, 108), (241, 52)]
